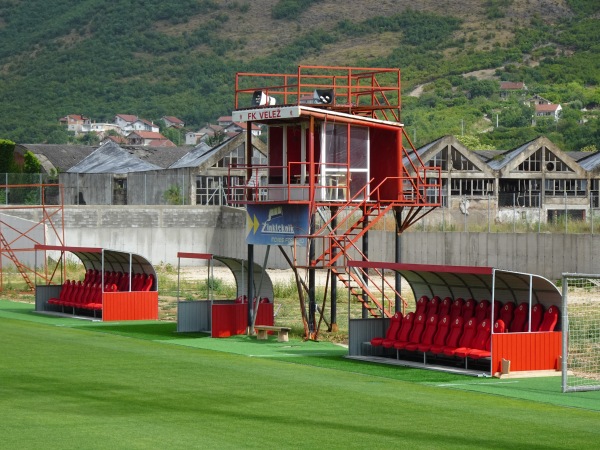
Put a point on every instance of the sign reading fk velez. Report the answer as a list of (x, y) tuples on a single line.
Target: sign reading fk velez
[(276, 224)]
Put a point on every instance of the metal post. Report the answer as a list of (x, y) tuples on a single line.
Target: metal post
[(566, 215), (539, 212), (514, 213), (489, 224), (250, 269), (397, 276), (365, 250), (334, 251), (311, 282)]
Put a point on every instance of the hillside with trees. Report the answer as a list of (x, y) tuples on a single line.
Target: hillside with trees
[(179, 57)]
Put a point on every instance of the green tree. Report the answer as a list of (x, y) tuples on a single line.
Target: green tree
[(7, 156), (32, 164)]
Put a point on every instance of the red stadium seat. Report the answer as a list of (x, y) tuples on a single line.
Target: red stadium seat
[(123, 284), (482, 311), (550, 319), (403, 333), (456, 309), (537, 314), (89, 274), (148, 282), (520, 320), (432, 306), (469, 309), (445, 305), (479, 341), (487, 352), (466, 338), (422, 305), (427, 337), (137, 282), (439, 340), (415, 332), (496, 307), (506, 315), (64, 292), (499, 326), (391, 332), (456, 329)]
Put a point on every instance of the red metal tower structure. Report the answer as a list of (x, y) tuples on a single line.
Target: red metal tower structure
[(338, 160), (23, 226)]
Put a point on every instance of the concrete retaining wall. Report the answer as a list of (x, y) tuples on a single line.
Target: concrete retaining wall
[(159, 232)]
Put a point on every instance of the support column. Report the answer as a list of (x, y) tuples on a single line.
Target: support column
[(365, 250), (250, 283), (312, 305), (333, 288), (398, 259)]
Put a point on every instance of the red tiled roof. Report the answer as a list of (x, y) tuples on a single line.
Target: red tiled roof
[(174, 119), (146, 135), (512, 85), (74, 116), (128, 117), (546, 108), (162, 143)]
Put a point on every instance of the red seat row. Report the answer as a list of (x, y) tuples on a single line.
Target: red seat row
[(77, 294), (516, 319), (139, 282), (87, 294), (449, 336)]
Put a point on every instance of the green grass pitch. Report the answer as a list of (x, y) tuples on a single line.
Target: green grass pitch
[(69, 384)]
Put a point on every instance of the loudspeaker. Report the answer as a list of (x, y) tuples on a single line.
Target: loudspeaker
[(324, 96), (259, 98)]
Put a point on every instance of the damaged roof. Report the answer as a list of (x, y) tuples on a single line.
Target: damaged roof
[(111, 158)]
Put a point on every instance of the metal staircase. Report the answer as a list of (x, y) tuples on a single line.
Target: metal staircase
[(6, 249)]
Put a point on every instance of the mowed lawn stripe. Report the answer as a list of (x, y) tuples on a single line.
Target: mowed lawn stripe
[(69, 388)]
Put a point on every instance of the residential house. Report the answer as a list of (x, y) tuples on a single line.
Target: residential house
[(508, 88), (224, 121), (125, 122), (173, 122), (238, 127), (537, 100), (548, 110), (75, 122), (149, 138), (193, 137)]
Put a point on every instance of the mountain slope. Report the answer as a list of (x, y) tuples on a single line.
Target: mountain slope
[(179, 57)]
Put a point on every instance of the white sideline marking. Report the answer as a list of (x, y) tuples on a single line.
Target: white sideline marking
[(474, 384)]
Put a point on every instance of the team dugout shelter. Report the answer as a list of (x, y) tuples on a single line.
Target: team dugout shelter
[(522, 333), (117, 285), (226, 317)]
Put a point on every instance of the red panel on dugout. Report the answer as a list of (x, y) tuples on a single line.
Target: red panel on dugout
[(130, 286)]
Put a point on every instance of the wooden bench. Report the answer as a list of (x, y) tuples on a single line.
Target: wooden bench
[(262, 332)]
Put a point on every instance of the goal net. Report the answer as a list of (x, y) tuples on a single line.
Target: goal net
[(581, 332)]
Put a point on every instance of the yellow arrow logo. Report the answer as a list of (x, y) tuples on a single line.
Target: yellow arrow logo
[(252, 224)]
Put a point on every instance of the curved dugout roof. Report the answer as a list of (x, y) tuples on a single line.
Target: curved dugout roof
[(117, 261), (263, 285), (472, 282)]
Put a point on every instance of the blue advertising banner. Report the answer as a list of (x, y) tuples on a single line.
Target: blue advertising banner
[(276, 224)]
